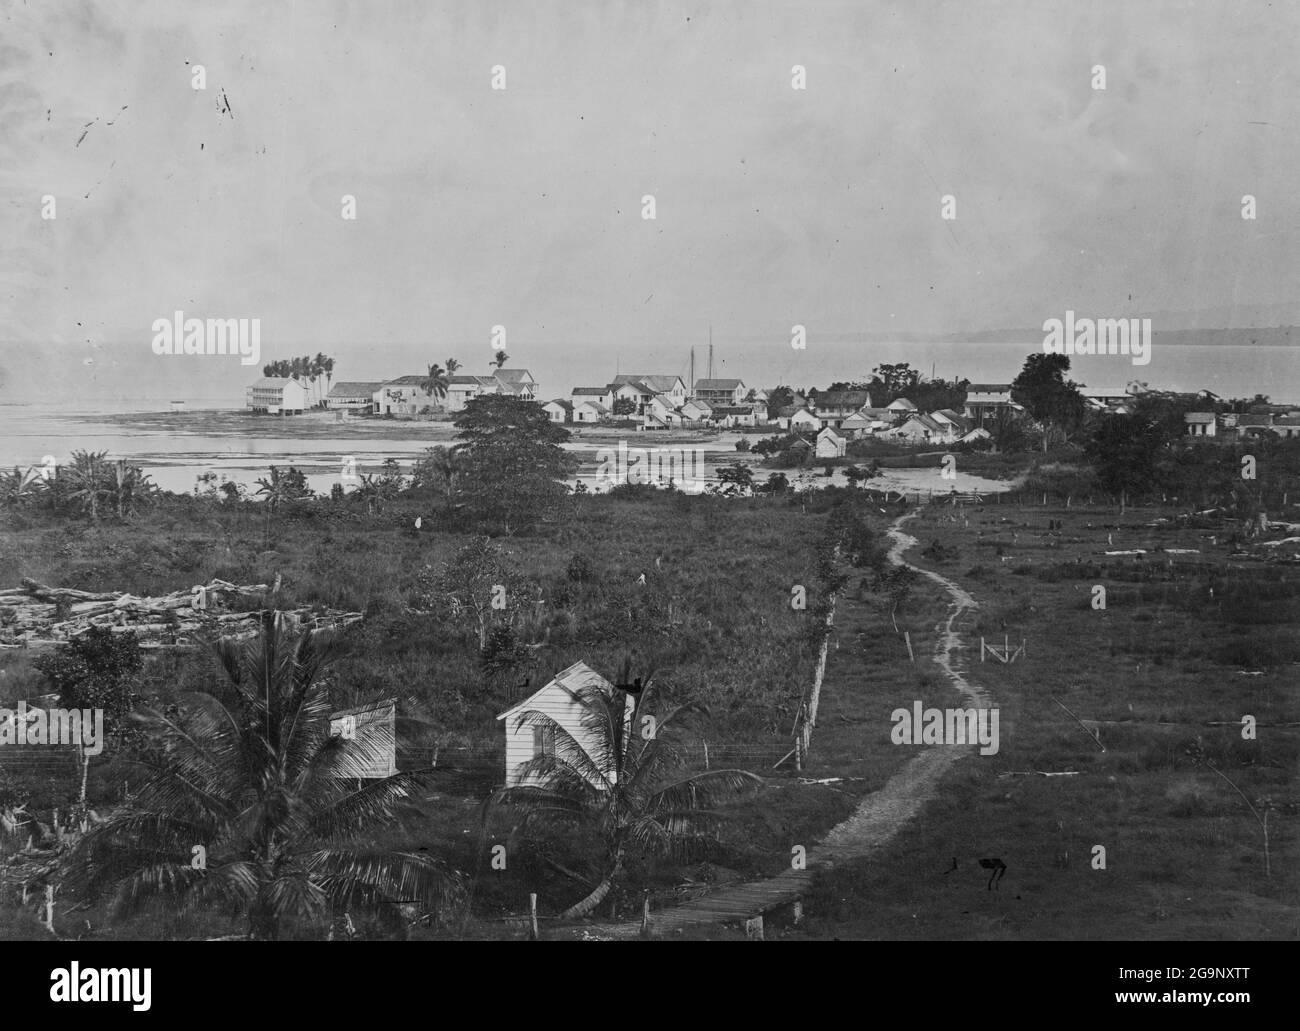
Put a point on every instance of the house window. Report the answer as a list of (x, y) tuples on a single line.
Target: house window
[(543, 741)]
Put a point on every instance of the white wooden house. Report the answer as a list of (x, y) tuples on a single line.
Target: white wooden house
[(1199, 424), (558, 410), (830, 444), (589, 411), (602, 396), (402, 396), (277, 396), (857, 426), (696, 410), (557, 699), (358, 398), (727, 392), (803, 419)]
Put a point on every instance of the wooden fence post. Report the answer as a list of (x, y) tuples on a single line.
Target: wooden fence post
[(907, 637), (49, 908), (706, 754), (645, 915), (532, 916), (981, 649)]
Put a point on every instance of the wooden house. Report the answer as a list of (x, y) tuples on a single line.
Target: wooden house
[(277, 395), (558, 699), (830, 444)]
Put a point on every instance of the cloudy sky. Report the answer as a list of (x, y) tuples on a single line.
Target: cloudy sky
[(522, 207)]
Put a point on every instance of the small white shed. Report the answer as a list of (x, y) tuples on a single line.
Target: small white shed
[(558, 699), (370, 736)]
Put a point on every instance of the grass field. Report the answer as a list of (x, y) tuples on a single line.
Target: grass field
[(1149, 673)]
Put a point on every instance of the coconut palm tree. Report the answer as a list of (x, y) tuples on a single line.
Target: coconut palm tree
[(452, 366), (251, 773), (435, 384), (631, 790), (501, 358)]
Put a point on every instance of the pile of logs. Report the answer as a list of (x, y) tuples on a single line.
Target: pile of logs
[(36, 614)]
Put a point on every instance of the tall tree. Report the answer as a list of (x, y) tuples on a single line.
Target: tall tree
[(512, 468), (435, 384), (501, 358), (890, 382), (1049, 398)]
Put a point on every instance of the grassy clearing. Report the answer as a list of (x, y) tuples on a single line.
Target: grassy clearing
[(1184, 856)]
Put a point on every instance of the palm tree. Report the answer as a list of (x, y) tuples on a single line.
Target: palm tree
[(452, 366), (630, 790), (501, 358), (317, 373), (251, 773), (328, 365), (435, 384)]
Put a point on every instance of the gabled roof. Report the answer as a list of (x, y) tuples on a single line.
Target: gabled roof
[(1198, 417), (650, 384), (843, 398), (349, 388), (901, 404), (514, 376), (829, 434), (589, 391), (275, 381), (464, 381), (570, 681), (803, 408), (858, 419), (700, 403), (718, 384), (592, 404), (988, 388), (1254, 420), (405, 381), (925, 421), (563, 402)]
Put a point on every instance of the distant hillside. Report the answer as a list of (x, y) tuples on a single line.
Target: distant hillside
[(1268, 336)]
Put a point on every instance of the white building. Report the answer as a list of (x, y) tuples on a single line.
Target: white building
[(277, 396), (830, 444), (558, 410), (358, 398), (402, 396), (560, 699)]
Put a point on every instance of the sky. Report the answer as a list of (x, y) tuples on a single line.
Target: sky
[(522, 207)]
